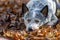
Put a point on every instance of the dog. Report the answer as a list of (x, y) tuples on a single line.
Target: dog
[(39, 12)]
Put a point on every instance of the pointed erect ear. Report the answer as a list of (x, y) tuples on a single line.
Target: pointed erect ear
[(44, 11), (24, 9)]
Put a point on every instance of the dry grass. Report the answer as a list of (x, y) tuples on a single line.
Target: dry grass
[(58, 13)]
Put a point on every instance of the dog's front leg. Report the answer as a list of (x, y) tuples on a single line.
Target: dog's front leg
[(53, 21)]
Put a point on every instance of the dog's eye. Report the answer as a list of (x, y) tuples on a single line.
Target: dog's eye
[(29, 20), (37, 21)]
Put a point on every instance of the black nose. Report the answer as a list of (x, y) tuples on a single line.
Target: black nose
[(30, 29)]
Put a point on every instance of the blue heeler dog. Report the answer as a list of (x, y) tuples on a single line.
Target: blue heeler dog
[(40, 12)]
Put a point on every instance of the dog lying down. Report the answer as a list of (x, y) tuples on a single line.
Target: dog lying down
[(39, 12)]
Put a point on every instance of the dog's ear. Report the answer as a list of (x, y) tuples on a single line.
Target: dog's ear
[(24, 9), (44, 11)]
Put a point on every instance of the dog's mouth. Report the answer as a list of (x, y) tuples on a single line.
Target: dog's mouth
[(33, 28)]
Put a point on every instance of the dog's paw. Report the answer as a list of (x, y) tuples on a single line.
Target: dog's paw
[(50, 23)]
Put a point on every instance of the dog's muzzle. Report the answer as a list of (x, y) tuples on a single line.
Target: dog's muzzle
[(30, 29)]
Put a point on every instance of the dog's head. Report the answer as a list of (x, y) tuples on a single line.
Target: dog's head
[(33, 18)]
